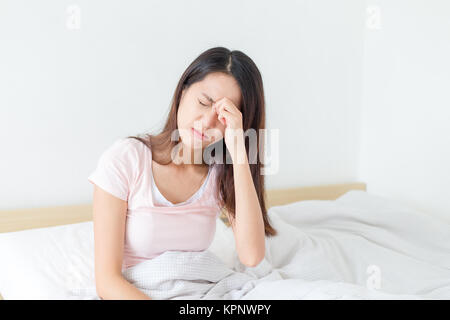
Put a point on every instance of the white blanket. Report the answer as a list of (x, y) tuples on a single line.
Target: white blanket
[(357, 247), (191, 275)]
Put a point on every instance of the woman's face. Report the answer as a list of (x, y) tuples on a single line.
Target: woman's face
[(195, 110)]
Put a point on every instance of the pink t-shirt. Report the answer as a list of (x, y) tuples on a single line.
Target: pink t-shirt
[(125, 170)]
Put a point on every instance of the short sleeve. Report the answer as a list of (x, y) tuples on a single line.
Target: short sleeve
[(115, 169)]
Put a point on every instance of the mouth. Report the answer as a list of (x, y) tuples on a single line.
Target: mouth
[(199, 135)]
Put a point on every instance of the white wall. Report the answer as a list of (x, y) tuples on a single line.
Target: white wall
[(68, 94), (405, 142)]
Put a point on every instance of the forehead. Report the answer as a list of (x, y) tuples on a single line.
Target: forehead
[(218, 85)]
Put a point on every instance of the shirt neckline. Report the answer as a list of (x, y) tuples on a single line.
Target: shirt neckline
[(191, 199), (181, 204)]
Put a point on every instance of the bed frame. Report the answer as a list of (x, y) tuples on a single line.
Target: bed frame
[(23, 219)]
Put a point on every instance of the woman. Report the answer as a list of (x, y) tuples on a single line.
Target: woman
[(153, 194)]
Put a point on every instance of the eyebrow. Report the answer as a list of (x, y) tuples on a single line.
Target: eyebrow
[(211, 100), (208, 97)]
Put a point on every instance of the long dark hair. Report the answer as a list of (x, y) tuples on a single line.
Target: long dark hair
[(243, 69)]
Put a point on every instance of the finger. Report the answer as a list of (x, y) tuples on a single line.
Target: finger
[(221, 118), (225, 117), (228, 105)]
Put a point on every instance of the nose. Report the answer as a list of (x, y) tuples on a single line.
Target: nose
[(210, 118)]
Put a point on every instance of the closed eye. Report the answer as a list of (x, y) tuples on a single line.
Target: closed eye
[(203, 104)]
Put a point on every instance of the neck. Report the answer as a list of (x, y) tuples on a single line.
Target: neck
[(189, 156)]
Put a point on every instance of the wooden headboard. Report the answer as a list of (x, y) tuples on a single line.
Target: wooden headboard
[(22, 219)]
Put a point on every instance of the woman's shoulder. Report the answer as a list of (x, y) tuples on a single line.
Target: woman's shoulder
[(129, 143), (125, 148)]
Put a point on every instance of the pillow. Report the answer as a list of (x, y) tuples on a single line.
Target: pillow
[(48, 263)]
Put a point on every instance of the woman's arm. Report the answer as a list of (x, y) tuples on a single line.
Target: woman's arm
[(248, 226), (118, 288), (109, 215)]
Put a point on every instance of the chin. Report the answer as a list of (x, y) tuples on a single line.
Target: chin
[(192, 144)]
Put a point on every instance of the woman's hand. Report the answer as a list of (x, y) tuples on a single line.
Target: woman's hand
[(230, 116)]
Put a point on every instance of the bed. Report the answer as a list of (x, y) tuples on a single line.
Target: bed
[(337, 242)]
